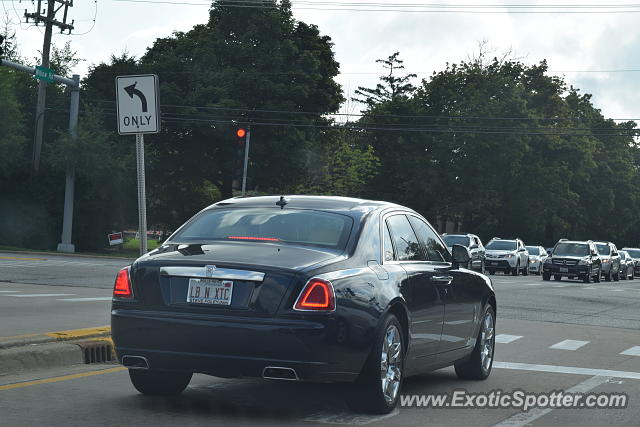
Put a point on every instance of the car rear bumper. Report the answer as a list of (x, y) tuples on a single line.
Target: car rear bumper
[(317, 350)]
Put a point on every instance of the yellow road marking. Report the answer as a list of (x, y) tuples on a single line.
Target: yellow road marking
[(63, 378), (79, 333), (22, 259)]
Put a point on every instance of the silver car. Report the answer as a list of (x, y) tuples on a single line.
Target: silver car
[(537, 255), (634, 253), (507, 255)]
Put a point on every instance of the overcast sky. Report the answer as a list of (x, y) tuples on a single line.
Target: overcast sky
[(574, 44)]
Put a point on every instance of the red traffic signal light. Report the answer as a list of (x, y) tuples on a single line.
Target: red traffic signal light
[(241, 133)]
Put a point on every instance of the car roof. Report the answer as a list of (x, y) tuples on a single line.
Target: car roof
[(329, 203), (584, 242)]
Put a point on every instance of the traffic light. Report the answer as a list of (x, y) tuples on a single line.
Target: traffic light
[(241, 139)]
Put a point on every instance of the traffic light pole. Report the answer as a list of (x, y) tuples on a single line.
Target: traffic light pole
[(246, 161), (73, 84)]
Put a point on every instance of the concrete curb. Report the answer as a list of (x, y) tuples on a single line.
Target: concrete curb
[(50, 337), (46, 355)]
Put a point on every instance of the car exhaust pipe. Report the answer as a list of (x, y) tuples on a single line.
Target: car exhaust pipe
[(135, 362), (280, 373)]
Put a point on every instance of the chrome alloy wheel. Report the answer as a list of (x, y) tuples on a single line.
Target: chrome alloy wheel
[(391, 364), (486, 341)]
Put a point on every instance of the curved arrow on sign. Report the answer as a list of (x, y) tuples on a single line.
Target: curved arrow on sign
[(131, 90)]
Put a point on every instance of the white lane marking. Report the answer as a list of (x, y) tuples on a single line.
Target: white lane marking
[(633, 351), (5, 292), (506, 339), (616, 290), (86, 299), (39, 295), (346, 418), (567, 370), (561, 286), (534, 284), (526, 418), (569, 345)]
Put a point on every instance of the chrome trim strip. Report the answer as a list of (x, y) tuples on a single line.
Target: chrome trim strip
[(218, 273)]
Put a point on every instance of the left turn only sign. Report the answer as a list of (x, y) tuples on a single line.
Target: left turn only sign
[(138, 104)]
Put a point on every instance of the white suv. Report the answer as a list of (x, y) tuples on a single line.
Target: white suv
[(509, 256)]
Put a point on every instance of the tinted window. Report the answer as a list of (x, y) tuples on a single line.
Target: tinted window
[(603, 249), (305, 227), (571, 249), (456, 240), (622, 255), (436, 251), (387, 245), (406, 243), (502, 245), (634, 253), (533, 250)]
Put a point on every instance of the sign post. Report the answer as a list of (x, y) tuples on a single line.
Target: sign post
[(139, 113)]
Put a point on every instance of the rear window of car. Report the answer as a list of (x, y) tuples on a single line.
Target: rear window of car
[(603, 249), (456, 240), (502, 245), (634, 253), (294, 226), (533, 250)]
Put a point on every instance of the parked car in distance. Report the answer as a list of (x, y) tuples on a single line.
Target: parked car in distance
[(537, 255), (471, 242), (573, 259), (508, 256), (610, 260), (627, 266), (634, 253), (303, 288)]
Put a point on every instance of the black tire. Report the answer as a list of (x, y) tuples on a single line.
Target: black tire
[(587, 278), (473, 368), (596, 278), (516, 270), (366, 394), (159, 383), (525, 270), (557, 278), (546, 277), (631, 276), (616, 277)]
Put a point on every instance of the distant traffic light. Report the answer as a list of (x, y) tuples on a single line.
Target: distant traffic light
[(241, 133)]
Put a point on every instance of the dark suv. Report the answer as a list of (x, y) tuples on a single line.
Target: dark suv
[(573, 259), (473, 243)]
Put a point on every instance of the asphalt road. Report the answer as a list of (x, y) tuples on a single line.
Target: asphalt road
[(550, 336)]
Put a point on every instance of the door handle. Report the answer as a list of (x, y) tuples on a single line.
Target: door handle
[(442, 280)]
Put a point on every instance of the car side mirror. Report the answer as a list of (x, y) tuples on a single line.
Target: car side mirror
[(474, 246), (521, 250), (460, 255)]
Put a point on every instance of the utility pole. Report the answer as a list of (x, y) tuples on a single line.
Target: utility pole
[(49, 22)]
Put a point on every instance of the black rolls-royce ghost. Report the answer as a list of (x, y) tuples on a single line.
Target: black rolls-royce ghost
[(302, 288)]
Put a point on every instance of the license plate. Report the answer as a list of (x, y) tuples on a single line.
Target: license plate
[(493, 263), (564, 270), (210, 291)]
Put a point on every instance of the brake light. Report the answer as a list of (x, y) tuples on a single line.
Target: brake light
[(122, 287), (260, 239), (317, 295)]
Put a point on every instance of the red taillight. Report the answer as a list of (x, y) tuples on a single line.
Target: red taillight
[(122, 287), (317, 295)]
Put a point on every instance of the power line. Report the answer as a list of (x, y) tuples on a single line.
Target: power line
[(414, 8)]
